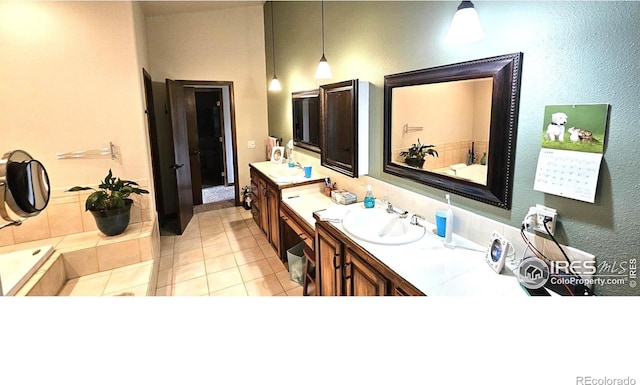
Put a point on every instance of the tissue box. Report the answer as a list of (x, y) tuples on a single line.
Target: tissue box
[(343, 197)]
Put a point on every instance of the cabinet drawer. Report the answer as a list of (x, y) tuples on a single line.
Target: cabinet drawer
[(297, 228)]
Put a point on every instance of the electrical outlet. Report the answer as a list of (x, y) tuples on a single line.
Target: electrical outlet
[(251, 144), (544, 214)]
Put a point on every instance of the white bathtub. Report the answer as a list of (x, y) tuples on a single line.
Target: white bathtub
[(18, 266)]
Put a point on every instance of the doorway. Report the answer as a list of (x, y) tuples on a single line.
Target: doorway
[(209, 116), (179, 144), (211, 183)]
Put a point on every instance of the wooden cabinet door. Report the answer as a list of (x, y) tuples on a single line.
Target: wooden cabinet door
[(273, 212), (360, 279), (264, 210), (255, 199), (339, 123), (329, 259)]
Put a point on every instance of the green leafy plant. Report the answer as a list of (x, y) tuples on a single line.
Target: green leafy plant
[(112, 194), (419, 151)]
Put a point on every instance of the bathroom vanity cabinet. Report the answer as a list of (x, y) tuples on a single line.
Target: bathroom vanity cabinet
[(266, 196), (265, 206), (344, 268), (344, 111)]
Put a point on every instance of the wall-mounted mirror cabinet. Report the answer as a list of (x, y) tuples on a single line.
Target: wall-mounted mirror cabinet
[(468, 111), (306, 119), (344, 122)]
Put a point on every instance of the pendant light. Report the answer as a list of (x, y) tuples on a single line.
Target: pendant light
[(465, 26), (275, 83), (323, 71)]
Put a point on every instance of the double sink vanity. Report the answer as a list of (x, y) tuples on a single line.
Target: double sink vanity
[(362, 251)]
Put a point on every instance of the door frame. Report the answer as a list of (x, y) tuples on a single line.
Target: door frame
[(217, 84)]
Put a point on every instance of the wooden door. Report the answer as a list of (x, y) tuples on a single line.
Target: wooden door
[(153, 146), (360, 279), (181, 166), (194, 145), (329, 259)]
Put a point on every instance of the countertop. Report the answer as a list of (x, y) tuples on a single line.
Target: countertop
[(426, 263), (290, 176)]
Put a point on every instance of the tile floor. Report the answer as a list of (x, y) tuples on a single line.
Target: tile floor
[(221, 253)]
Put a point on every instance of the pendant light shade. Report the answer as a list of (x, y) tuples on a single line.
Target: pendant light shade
[(323, 71), (275, 83), (465, 26)]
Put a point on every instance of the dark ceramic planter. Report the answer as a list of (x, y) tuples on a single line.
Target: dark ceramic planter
[(113, 222), (413, 162)]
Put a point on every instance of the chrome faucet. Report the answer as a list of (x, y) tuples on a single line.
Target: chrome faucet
[(393, 210), (414, 219)]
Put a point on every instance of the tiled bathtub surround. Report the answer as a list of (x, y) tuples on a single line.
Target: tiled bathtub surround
[(91, 252), (449, 153), (65, 214)]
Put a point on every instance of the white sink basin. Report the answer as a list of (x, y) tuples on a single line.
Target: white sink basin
[(286, 174), (378, 226)]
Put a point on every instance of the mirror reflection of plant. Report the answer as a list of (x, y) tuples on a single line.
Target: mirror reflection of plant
[(112, 194), (419, 151)]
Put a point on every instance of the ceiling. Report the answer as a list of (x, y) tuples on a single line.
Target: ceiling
[(158, 8)]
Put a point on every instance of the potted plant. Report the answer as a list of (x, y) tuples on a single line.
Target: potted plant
[(111, 205), (417, 153)]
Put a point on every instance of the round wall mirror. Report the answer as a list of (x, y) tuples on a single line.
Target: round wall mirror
[(24, 186)]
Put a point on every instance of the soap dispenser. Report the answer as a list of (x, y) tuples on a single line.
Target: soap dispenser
[(448, 242), (369, 200)]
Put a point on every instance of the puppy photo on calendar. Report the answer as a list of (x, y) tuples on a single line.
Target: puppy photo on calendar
[(555, 129), (577, 135), (574, 134), (575, 127)]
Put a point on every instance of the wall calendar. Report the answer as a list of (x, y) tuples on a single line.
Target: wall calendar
[(573, 139)]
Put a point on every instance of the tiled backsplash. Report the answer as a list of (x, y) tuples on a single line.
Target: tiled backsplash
[(65, 214), (466, 224), (449, 153)]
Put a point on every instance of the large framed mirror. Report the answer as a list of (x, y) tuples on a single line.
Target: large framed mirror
[(467, 112), (306, 119)]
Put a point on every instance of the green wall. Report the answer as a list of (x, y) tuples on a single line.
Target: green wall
[(574, 53)]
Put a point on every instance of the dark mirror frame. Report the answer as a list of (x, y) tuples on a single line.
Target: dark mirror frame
[(506, 72), (24, 186), (298, 95)]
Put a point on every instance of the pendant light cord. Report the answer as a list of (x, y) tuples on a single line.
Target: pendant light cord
[(273, 42), (322, 27)]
